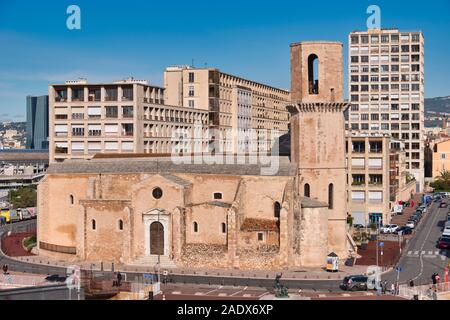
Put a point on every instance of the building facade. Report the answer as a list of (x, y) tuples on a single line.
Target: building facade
[(441, 158), (386, 89), (368, 160), (126, 116), (37, 123), (134, 211), (235, 105)]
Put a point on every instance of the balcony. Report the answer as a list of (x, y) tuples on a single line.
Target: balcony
[(61, 150), (60, 99)]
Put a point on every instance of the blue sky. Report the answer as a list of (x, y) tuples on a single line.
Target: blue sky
[(140, 38)]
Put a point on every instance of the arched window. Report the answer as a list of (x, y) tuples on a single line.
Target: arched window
[(307, 191), (330, 196), (120, 225), (313, 74), (195, 227), (276, 209), (218, 196), (224, 228), (94, 225), (72, 199)]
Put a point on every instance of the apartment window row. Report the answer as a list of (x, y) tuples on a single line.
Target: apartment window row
[(94, 94), (371, 196), (385, 49), (385, 107), (169, 115), (94, 130), (373, 180), (386, 97), (384, 38), (404, 87), (82, 147), (392, 78), (385, 68)]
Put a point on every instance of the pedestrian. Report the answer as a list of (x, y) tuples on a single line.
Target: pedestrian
[(411, 283), (119, 279), (433, 278), (384, 287), (438, 278), (5, 269), (393, 289)]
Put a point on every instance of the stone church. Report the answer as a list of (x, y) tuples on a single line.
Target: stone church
[(134, 210)]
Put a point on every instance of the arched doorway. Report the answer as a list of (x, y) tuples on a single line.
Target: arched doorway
[(156, 238)]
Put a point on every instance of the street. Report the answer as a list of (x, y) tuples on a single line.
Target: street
[(421, 258)]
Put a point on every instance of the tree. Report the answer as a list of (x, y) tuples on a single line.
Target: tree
[(23, 197), (442, 183)]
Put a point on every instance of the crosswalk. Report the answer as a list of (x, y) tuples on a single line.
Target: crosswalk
[(428, 254)]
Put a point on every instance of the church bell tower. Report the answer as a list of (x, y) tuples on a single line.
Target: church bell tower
[(318, 132)]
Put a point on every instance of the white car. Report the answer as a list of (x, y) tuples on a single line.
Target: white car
[(446, 231), (411, 224), (390, 228)]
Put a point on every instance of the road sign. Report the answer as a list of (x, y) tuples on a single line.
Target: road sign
[(381, 244), (398, 269), (148, 276)]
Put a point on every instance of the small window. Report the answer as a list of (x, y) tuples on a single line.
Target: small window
[(330, 196), (276, 209), (94, 225), (157, 193), (260, 236), (313, 74), (307, 191), (195, 227), (120, 224), (72, 199), (224, 228), (217, 196)]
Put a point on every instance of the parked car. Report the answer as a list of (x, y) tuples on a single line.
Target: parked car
[(446, 231), (404, 230), (444, 242), (358, 226), (56, 278), (411, 224), (357, 283), (423, 209), (443, 205), (390, 228)]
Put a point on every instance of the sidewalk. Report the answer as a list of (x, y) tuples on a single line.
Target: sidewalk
[(293, 274)]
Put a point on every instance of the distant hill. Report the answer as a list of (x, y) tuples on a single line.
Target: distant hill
[(439, 105)]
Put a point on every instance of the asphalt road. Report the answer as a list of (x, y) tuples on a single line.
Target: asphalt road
[(421, 257)]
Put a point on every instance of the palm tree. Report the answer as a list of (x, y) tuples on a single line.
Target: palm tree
[(445, 176)]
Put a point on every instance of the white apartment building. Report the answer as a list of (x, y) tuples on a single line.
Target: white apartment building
[(126, 116), (386, 89), (234, 104)]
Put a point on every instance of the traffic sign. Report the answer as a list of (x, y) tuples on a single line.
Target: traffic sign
[(398, 269), (148, 276), (381, 244)]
